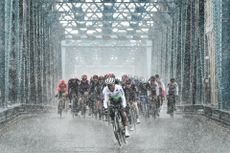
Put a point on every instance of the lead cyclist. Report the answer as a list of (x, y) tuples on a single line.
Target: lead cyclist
[(114, 94)]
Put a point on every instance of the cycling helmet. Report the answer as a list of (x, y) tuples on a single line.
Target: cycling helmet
[(101, 77), (157, 76), (111, 75), (62, 81), (152, 78), (84, 77), (172, 79), (95, 77), (124, 77), (109, 81)]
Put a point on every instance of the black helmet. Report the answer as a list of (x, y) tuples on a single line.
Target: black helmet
[(172, 79)]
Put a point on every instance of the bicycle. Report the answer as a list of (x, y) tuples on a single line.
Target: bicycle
[(152, 107), (74, 106), (61, 105), (94, 106), (118, 128), (97, 109), (132, 115), (82, 102), (144, 105), (171, 105)]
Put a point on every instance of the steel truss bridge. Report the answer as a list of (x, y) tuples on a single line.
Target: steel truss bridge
[(189, 38)]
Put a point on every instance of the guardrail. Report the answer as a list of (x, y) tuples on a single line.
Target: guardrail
[(208, 111), (190, 109), (218, 115), (9, 113)]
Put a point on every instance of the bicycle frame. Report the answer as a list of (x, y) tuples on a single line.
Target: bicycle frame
[(171, 104), (118, 127), (152, 106)]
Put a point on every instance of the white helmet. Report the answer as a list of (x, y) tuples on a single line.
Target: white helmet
[(110, 81)]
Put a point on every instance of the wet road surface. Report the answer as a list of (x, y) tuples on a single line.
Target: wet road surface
[(47, 133)]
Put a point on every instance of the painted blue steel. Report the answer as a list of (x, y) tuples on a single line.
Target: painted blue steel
[(25, 44), (222, 28), (2, 57), (8, 46)]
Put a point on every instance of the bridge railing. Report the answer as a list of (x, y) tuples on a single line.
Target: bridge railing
[(12, 112), (208, 111)]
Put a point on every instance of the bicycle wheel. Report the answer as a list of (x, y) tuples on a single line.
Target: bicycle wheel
[(133, 117), (171, 106), (121, 129), (148, 112), (60, 108), (145, 108), (122, 133), (155, 111), (84, 110), (74, 107), (116, 129)]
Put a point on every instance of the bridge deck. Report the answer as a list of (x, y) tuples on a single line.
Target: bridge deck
[(47, 133)]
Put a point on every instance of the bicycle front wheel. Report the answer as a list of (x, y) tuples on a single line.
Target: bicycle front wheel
[(116, 129)]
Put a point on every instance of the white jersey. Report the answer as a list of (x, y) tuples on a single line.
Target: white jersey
[(117, 91)]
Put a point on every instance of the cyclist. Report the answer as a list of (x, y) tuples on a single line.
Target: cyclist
[(153, 89), (84, 85), (114, 95), (84, 91), (62, 93), (94, 85), (172, 93), (131, 94), (94, 92), (101, 78), (62, 88), (73, 93), (162, 92), (143, 96), (73, 84)]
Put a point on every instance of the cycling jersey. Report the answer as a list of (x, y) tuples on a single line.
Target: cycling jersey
[(142, 89), (84, 87), (130, 92), (116, 96), (153, 89), (62, 87), (172, 89), (162, 91), (95, 88), (73, 86)]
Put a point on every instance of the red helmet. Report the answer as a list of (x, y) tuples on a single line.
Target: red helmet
[(62, 81), (95, 77), (84, 77), (110, 75)]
